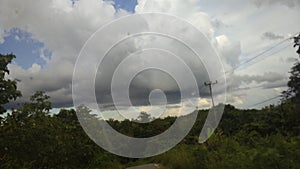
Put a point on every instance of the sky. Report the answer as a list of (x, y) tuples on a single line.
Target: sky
[(47, 37)]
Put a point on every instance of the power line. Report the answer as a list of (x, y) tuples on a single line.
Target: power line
[(232, 71), (256, 56), (273, 53), (262, 53), (264, 101), (259, 55), (293, 37)]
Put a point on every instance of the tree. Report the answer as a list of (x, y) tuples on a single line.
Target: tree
[(293, 91), (297, 43), (8, 88), (294, 82), (144, 117), (39, 105)]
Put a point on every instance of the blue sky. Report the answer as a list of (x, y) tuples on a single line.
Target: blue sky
[(24, 47), (127, 5)]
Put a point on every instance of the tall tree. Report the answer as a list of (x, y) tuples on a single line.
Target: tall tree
[(8, 88), (293, 92)]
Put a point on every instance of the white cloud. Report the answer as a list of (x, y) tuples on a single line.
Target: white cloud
[(188, 10), (229, 50), (63, 29), (35, 68), (204, 103), (236, 100), (2, 35)]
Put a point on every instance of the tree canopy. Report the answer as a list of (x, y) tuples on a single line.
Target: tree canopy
[(8, 88)]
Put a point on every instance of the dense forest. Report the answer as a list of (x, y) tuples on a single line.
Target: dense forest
[(32, 137)]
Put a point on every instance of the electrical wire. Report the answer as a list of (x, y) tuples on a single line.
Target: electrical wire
[(228, 73), (257, 56), (264, 101), (263, 52)]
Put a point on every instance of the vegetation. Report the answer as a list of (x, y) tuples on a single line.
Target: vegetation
[(32, 138), (293, 92), (8, 88)]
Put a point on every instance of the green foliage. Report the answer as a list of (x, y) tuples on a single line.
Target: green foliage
[(31, 138), (293, 92), (178, 158), (268, 138), (144, 117), (39, 105), (8, 88)]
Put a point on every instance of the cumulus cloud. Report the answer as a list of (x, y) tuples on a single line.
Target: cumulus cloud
[(230, 51), (64, 27), (188, 10)]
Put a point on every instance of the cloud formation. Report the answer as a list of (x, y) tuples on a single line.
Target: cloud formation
[(64, 28)]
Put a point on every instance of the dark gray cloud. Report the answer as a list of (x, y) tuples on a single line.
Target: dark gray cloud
[(219, 24), (277, 84), (151, 79), (291, 59), (289, 3), (268, 80), (271, 36)]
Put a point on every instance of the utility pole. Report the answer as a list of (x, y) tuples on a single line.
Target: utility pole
[(210, 84), (213, 122)]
